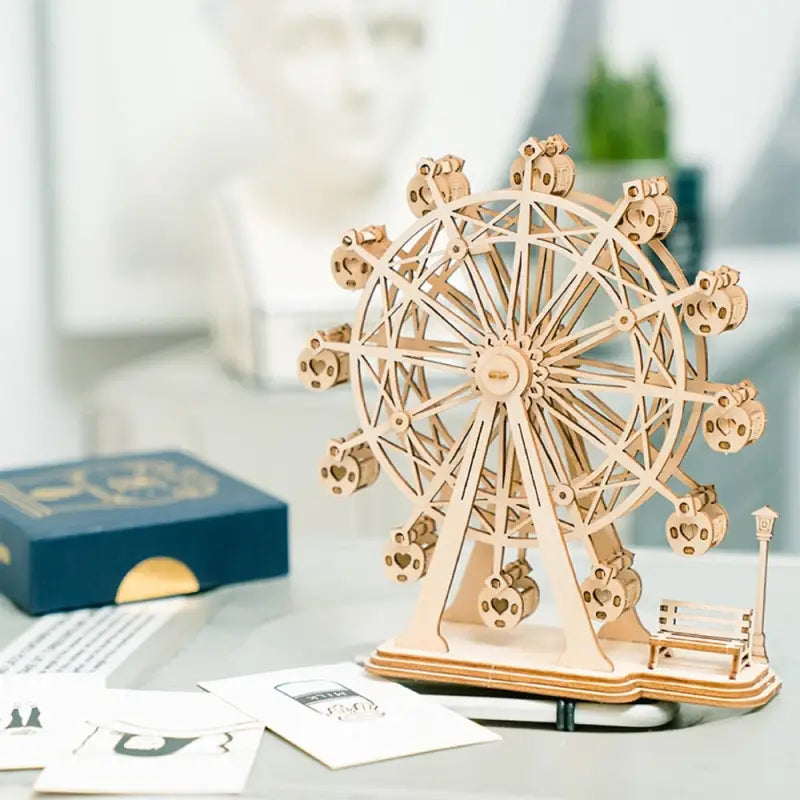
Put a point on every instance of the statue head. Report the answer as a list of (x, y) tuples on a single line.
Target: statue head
[(336, 80)]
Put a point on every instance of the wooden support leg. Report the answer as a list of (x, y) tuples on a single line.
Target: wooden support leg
[(627, 628), (464, 607), (422, 632), (582, 648), (651, 662)]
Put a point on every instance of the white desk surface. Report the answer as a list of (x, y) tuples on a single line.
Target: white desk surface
[(337, 604)]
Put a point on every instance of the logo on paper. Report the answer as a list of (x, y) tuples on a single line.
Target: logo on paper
[(125, 739), (25, 718), (331, 699)]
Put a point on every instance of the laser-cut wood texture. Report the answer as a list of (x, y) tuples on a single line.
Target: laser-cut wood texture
[(528, 366)]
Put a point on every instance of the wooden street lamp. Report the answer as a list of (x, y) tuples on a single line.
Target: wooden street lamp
[(765, 522)]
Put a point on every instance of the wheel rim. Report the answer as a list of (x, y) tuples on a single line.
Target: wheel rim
[(426, 287)]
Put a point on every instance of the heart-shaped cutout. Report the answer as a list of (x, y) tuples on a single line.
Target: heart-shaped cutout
[(351, 264), (707, 309), (402, 560), (602, 596), (499, 604), (317, 365), (688, 530), (338, 472), (725, 425)]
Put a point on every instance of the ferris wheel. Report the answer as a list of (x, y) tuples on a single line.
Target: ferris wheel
[(528, 366)]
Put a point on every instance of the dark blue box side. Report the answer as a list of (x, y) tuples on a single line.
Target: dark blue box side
[(15, 573), (86, 569)]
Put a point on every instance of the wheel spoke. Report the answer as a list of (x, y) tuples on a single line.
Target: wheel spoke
[(651, 386), (557, 233), (422, 254), (625, 284), (543, 285), (457, 323), (451, 398), (576, 419), (381, 381), (414, 292), (483, 302), (455, 299), (419, 464), (483, 296), (550, 448), (421, 355), (562, 298), (482, 226), (617, 427), (582, 341), (584, 293), (606, 330), (520, 273), (615, 424), (598, 493)]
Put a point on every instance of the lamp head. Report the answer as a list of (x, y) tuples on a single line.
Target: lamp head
[(765, 522)]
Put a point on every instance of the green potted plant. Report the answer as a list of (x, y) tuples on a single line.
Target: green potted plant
[(624, 118), (625, 134)]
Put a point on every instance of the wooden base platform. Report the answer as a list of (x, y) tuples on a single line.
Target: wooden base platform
[(526, 660)]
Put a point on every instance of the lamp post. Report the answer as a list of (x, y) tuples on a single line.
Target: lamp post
[(765, 522)]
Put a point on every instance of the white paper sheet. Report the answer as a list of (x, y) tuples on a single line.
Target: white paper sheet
[(162, 743), (38, 725), (100, 646), (343, 716)]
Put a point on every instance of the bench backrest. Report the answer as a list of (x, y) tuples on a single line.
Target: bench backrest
[(697, 619)]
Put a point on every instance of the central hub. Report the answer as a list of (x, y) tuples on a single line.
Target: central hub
[(502, 371)]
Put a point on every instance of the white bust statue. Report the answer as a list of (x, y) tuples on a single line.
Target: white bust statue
[(338, 82)]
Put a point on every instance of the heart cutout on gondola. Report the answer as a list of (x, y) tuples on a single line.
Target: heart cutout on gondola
[(402, 560), (688, 530), (499, 604), (726, 425), (338, 472), (602, 596), (708, 309)]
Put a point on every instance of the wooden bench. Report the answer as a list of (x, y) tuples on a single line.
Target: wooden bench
[(710, 629)]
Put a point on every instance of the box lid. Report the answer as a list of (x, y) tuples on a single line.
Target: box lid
[(104, 494)]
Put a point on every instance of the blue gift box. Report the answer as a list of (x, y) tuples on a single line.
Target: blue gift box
[(132, 527)]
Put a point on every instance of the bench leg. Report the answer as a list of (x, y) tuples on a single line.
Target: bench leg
[(651, 662), (735, 665)]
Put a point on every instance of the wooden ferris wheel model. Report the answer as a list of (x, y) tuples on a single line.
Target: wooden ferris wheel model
[(521, 372)]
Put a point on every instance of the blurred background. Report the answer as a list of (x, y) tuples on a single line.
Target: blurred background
[(176, 173)]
